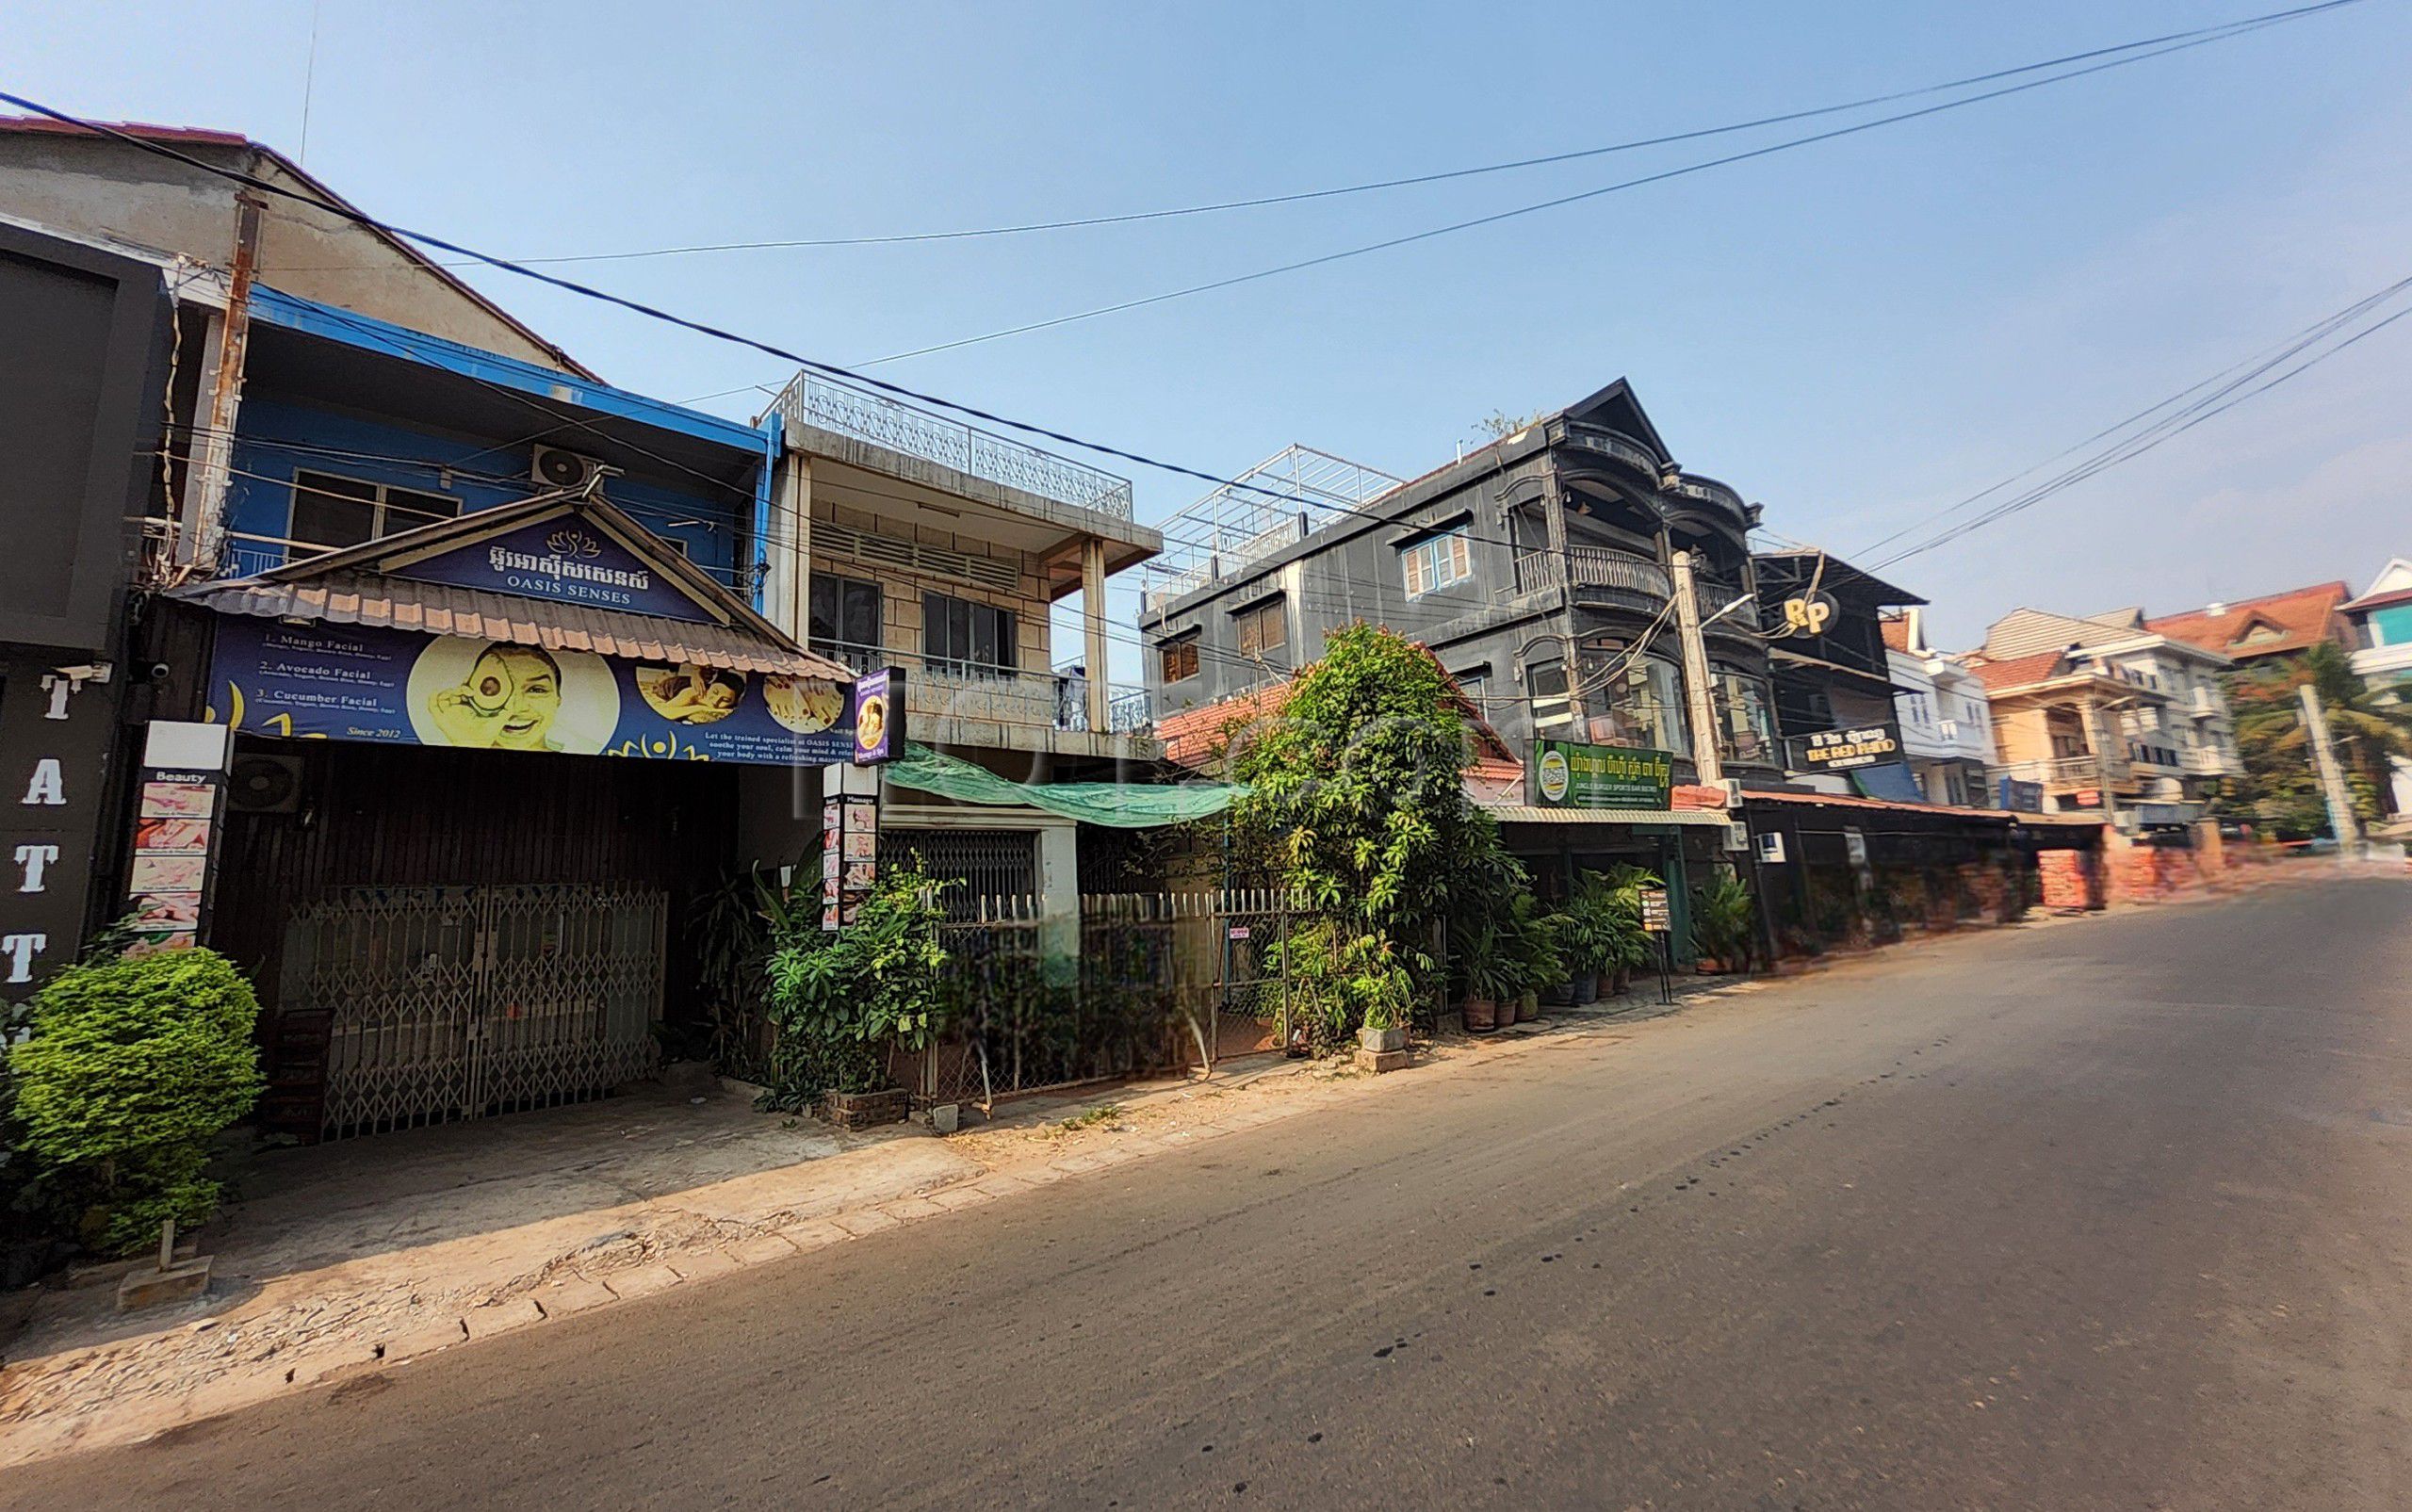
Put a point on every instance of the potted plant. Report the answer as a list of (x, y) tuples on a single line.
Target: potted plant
[(1724, 925), (842, 1002), (1535, 963), (1602, 934), (1479, 964)]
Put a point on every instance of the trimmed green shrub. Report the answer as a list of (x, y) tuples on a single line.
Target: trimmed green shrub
[(131, 1068), (841, 1000)]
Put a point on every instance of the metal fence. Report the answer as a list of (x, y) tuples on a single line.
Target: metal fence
[(1160, 981)]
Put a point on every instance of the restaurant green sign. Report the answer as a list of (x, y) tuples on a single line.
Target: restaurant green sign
[(1571, 774)]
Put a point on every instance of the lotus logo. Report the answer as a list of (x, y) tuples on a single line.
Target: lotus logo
[(574, 544), (1554, 775)]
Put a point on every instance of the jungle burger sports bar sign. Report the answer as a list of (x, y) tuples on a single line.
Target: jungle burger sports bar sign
[(1572, 774)]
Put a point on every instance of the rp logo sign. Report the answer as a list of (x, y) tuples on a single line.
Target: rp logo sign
[(1809, 614)]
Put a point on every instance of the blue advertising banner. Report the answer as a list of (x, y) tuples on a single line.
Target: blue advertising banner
[(345, 683), (564, 558)]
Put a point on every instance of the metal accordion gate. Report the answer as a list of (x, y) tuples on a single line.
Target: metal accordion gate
[(457, 1002)]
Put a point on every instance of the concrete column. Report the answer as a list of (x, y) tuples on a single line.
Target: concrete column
[(1059, 890), (1100, 695), (787, 594)]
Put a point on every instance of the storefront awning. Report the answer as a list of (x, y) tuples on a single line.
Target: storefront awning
[(560, 571), (351, 597), (1530, 814)]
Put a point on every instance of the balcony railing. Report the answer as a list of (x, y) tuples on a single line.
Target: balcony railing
[(1592, 567), (954, 689), (2209, 761), (2060, 773), (1714, 594), (816, 401)]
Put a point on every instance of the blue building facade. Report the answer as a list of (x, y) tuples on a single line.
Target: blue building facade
[(351, 428)]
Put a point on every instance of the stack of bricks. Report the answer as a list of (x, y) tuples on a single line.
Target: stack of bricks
[(2147, 873), (2068, 880)]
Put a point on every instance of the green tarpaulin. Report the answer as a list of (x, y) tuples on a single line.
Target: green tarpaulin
[(1124, 806)]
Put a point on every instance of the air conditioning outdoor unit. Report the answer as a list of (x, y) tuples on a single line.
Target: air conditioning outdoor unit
[(265, 783), (557, 468)]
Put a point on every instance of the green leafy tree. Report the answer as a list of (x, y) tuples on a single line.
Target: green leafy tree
[(1358, 790), (131, 1069)]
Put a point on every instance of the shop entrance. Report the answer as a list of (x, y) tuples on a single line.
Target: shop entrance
[(453, 1002), (441, 935)]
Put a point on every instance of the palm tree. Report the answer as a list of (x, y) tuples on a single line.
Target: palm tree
[(2367, 724)]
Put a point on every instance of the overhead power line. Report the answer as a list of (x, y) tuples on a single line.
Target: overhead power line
[(1413, 180), (2210, 397), (973, 412), (1559, 202)]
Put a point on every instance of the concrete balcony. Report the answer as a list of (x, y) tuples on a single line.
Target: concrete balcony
[(2065, 774), (956, 703)]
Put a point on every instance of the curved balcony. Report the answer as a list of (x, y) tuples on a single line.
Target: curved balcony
[(1615, 447), (1592, 576)]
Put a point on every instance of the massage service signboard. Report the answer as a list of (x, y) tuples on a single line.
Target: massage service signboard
[(396, 686), (566, 559)]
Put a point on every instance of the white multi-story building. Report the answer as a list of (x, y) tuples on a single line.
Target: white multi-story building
[(1946, 730), (2382, 620), (2174, 723)]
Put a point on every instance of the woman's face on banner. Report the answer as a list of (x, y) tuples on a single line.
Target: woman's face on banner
[(526, 689)]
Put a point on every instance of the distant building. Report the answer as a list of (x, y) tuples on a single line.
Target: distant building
[(2257, 629), (2107, 714), (1946, 727), (2381, 622)]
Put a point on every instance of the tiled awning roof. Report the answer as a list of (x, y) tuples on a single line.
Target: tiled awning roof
[(345, 596), (1528, 814)]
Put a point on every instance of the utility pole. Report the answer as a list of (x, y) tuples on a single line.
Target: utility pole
[(2332, 775), (1705, 762)]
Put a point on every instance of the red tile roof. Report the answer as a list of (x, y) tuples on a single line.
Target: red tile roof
[(2017, 672), (2300, 616), (1896, 632), (195, 135), (1191, 736), (1752, 795), (2393, 595)]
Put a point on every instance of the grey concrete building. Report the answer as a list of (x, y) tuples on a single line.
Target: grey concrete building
[(1536, 568)]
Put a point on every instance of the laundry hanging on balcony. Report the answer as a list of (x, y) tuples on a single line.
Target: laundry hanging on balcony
[(1121, 805)]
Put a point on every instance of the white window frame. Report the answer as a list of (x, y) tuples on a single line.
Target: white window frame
[(1435, 563)]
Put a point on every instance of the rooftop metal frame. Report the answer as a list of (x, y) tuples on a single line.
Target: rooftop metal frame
[(1280, 501)]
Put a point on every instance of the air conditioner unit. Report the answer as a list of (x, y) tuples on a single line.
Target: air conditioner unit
[(265, 783), (557, 468)]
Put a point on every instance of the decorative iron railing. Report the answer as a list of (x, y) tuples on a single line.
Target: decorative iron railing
[(817, 402)]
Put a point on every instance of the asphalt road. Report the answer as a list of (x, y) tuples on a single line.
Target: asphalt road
[(2102, 1214)]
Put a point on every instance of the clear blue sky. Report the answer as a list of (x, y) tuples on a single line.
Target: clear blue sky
[(1851, 333)]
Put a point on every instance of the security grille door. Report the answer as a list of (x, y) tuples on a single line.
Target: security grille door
[(982, 863), (454, 1002)]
